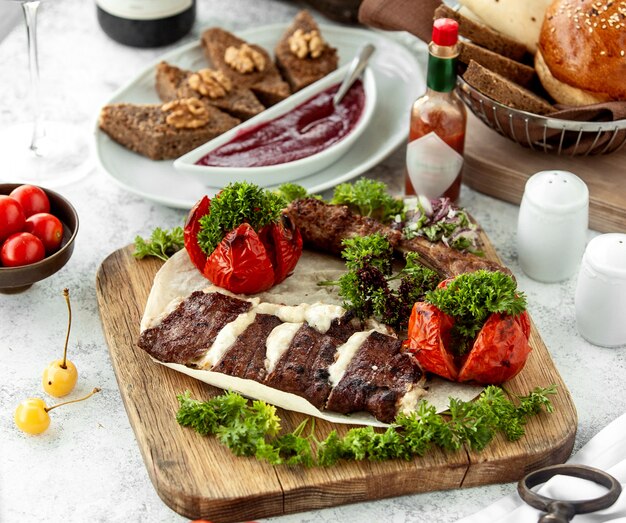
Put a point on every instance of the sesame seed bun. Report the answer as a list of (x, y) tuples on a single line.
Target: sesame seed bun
[(581, 56)]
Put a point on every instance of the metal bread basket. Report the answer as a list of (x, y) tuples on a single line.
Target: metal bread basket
[(542, 133)]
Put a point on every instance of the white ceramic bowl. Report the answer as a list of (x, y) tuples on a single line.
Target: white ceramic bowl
[(286, 172)]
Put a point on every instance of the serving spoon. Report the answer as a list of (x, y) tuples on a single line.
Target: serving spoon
[(359, 62)]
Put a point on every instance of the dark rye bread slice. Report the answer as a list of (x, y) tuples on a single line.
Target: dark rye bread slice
[(267, 84), (300, 72), (173, 82), (505, 91), (517, 72), (483, 35), (143, 129)]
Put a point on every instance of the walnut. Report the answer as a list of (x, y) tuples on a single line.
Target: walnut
[(208, 82), (186, 113), (244, 59), (306, 44)]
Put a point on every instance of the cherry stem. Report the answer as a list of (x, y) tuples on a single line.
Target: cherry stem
[(48, 409), (66, 294)]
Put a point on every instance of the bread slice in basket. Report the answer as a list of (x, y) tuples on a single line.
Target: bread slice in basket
[(302, 54), (505, 91), (208, 85)]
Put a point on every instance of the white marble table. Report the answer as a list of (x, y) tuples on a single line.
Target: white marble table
[(87, 466)]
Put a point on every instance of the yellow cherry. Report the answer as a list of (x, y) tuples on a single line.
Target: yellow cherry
[(31, 415), (58, 381), (59, 378)]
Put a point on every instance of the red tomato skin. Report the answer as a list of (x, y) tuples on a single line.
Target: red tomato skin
[(287, 242), (499, 352), (191, 230), (429, 330), (47, 228), (11, 217), (33, 199), (21, 248), (240, 263)]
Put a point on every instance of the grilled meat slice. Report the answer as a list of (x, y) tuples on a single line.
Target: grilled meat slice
[(380, 379), (188, 332), (324, 227), (303, 368), (246, 357)]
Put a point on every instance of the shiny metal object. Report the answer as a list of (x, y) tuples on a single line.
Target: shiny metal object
[(356, 68), (560, 511), (542, 133)]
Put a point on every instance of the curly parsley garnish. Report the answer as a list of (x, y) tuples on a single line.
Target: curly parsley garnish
[(471, 298), (368, 198), (238, 203), (368, 288), (254, 429), (162, 243), (291, 191)]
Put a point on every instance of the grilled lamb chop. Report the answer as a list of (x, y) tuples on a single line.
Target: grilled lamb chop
[(248, 339), (324, 227)]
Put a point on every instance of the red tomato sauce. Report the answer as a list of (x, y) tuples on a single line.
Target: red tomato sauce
[(309, 128)]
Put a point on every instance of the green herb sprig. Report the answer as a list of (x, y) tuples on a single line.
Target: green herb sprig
[(254, 429), (162, 243), (237, 203), (368, 198), (366, 288)]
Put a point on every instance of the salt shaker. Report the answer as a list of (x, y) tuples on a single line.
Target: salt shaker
[(552, 225), (600, 299)]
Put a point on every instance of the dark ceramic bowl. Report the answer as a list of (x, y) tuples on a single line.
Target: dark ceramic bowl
[(16, 279)]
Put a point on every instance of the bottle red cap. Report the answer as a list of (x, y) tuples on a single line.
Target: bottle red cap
[(445, 31)]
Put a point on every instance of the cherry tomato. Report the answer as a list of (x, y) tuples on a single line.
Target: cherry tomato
[(32, 199), (11, 216), (47, 228), (21, 248), (240, 263)]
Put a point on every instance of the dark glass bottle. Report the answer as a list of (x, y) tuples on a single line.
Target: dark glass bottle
[(146, 23), (434, 158)]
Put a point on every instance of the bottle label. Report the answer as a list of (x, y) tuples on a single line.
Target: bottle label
[(145, 9), (432, 165)]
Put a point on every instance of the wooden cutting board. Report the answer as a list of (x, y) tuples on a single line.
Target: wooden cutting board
[(496, 166), (199, 478)]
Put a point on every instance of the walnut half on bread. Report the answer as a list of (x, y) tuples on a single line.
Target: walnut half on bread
[(144, 129)]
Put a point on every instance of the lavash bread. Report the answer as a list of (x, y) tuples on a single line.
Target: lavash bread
[(504, 91), (518, 19), (581, 58)]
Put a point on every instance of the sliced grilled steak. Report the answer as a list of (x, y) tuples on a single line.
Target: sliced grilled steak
[(377, 379), (303, 368), (324, 227), (187, 333), (246, 357)]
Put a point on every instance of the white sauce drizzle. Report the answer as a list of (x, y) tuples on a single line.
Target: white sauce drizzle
[(225, 339), (344, 356), (318, 315), (408, 403), (278, 342)]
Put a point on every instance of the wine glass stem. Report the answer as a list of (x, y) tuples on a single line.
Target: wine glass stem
[(30, 16)]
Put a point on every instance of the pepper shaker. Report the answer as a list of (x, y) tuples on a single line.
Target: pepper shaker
[(600, 299), (552, 225)]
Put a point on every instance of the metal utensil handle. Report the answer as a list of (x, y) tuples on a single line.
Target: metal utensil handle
[(356, 68), (563, 511)]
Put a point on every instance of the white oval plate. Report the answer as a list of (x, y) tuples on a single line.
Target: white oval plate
[(399, 80), (270, 175)]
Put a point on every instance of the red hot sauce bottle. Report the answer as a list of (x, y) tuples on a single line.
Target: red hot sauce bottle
[(434, 156)]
